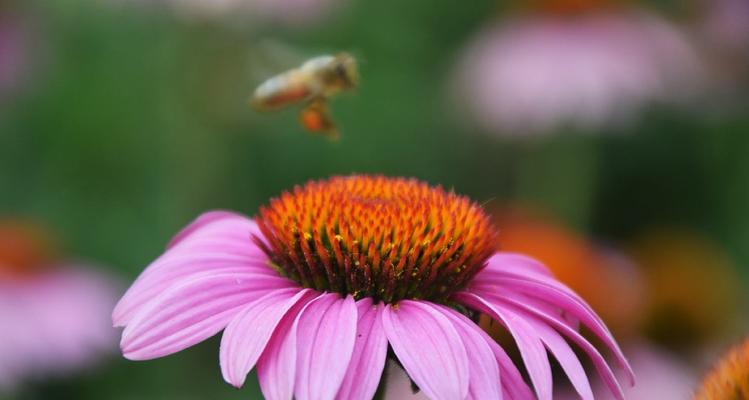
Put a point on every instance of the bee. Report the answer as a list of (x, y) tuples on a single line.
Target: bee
[(312, 84)]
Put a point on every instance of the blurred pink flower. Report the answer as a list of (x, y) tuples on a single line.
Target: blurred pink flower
[(14, 52), (660, 375), (724, 30), (726, 24), (285, 12), (537, 73), (313, 290), (54, 319)]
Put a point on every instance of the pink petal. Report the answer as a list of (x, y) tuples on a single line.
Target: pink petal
[(570, 320), (429, 347), (483, 381), (511, 262), (503, 265), (520, 279), (513, 384), (248, 333), (142, 292), (217, 242), (192, 312), (567, 358), (276, 368), (559, 295), (201, 221), (368, 358), (531, 348), (325, 341), (499, 275), (598, 361)]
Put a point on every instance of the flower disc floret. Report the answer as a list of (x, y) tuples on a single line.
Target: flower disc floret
[(385, 238)]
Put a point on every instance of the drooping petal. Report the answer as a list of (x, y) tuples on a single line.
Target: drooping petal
[(325, 340), (217, 242), (565, 356), (429, 347), (247, 335), (368, 358), (553, 292), (513, 384), (276, 368), (517, 278), (565, 316), (506, 264), (554, 321), (192, 312), (531, 348), (484, 377)]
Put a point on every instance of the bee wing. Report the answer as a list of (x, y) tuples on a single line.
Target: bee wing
[(267, 57), (315, 117)]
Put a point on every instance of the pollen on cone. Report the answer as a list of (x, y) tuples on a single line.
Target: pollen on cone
[(729, 379), (388, 238)]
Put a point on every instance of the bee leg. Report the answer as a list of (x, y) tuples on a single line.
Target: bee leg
[(315, 118)]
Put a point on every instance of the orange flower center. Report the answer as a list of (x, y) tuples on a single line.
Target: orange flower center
[(730, 378), (386, 238)]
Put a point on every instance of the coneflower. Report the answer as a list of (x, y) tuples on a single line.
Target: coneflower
[(313, 291), (729, 379), (585, 64)]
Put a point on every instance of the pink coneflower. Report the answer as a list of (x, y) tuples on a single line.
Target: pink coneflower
[(312, 292), (729, 378), (54, 317), (585, 69)]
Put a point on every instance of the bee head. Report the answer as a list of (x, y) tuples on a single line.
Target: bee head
[(346, 70)]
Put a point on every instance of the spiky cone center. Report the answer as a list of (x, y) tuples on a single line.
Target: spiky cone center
[(729, 379), (372, 236)]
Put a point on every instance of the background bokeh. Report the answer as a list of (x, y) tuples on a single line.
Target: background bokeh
[(123, 120)]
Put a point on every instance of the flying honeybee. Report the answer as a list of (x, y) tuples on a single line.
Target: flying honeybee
[(312, 84)]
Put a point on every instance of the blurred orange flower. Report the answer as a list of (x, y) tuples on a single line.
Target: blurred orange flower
[(694, 294)]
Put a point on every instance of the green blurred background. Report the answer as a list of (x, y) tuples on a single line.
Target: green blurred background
[(134, 120)]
